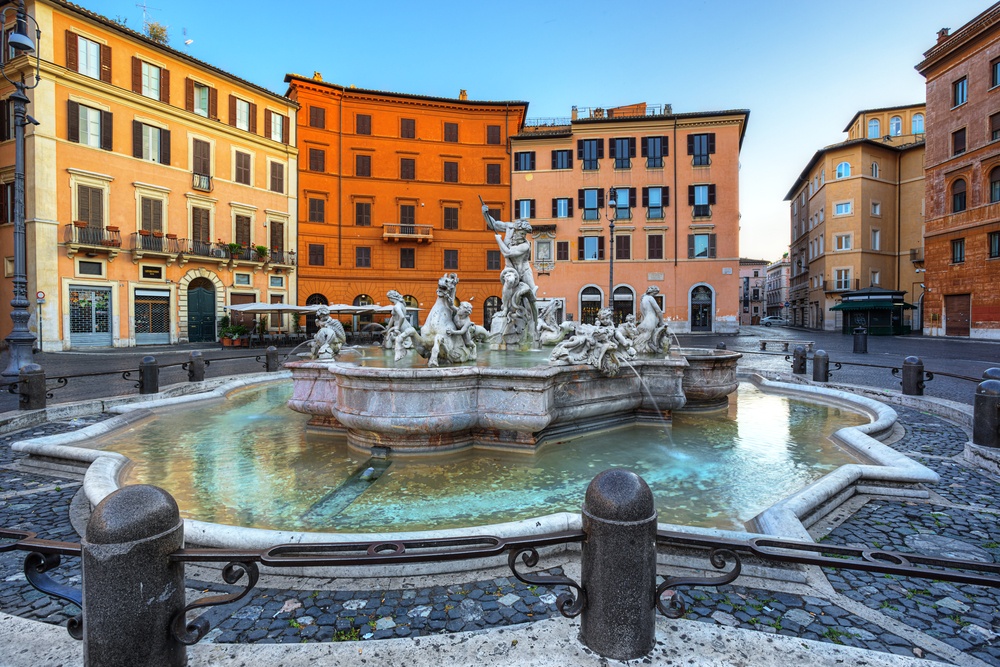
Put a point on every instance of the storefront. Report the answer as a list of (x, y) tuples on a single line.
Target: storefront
[(883, 312)]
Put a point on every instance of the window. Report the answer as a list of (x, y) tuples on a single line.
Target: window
[(843, 170), (654, 149), (450, 217), (88, 57), (407, 168), (201, 219), (150, 143), (562, 251), (90, 127), (917, 124), (363, 165), (874, 129), (317, 117), (591, 248), (150, 80), (451, 133), (277, 128), (85, 268), (201, 157), (875, 170), (995, 73), (876, 208), (242, 171), (151, 211), (407, 128), (589, 151), (700, 148), (591, 201), (493, 134), (624, 201), (525, 208), (842, 279), (407, 258), (276, 281), (492, 260), (958, 142), (842, 208), (622, 152), (701, 198), (317, 210), (277, 177), (362, 124), (993, 245), (451, 172), (524, 161), (363, 257), (701, 246), (363, 214), (958, 196), (317, 254), (876, 278), (995, 127), (317, 159), (995, 184), (241, 116), (654, 199), (242, 224), (562, 207), (623, 247), (200, 96), (407, 218), (451, 259), (895, 126), (493, 174), (960, 92), (654, 246), (562, 159), (842, 241), (958, 251)]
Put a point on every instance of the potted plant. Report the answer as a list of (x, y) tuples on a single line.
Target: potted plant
[(171, 236), (144, 232), (112, 228), (261, 251), (158, 235), (234, 249), (81, 223)]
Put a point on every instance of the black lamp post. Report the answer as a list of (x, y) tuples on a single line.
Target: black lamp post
[(612, 214), (21, 341)]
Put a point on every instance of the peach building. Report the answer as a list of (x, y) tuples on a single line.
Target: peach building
[(159, 189), (390, 186), (676, 183)]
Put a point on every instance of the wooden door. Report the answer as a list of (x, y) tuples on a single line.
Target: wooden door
[(957, 314)]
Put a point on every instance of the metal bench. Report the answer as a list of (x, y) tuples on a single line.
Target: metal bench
[(808, 344)]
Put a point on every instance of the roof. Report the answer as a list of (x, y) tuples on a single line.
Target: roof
[(804, 176), (671, 116), (749, 262), (951, 43), (118, 27), (874, 304), (881, 110)]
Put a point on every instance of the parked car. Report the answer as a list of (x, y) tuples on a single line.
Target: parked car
[(774, 320)]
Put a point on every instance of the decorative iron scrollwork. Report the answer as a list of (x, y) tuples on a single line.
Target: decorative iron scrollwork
[(60, 383), (190, 633), (127, 375), (675, 606), (837, 366), (568, 605), (13, 388), (36, 564)]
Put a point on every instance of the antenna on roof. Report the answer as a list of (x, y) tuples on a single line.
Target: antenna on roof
[(145, 13), (187, 42)]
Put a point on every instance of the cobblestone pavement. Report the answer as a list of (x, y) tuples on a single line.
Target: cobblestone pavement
[(955, 624)]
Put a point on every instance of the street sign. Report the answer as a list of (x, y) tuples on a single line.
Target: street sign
[(787, 304), (40, 295)]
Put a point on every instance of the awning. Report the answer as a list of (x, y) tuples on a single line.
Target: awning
[(872, 304)]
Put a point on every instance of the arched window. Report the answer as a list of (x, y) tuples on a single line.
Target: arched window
[(895, 126), (364, 300), (995, 184), (843, 170), (874, 129), (958, 196), (917, 124), (874, 169), (590, 303), (490, 308), (317, 300), (624, 303)]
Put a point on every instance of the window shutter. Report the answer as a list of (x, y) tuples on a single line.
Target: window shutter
[(612, 149), (631, 197), (164, 146), (579, 248), (711, 194), (277, 236), (3, 205), (600, 247), (82, 203), (569, 207), (213, 104), (600, 149), (581, 202), (690, 195), (73, 118), (600, 198), (555, 207), (72, 54), (165, 85), (105, 63), (711, 245), (631, 146), (665, 195), (531, 206), (284, 129), (157, 215), (96, 207), (232, 110), (107, 130), (579, 153), (690, 246), (554, 159), (5, 131), (532, 160), (711, 142), (644, 151), (188, 94), (253, 118), (136, 139), (690, 144), (136, 75), (267, 123), (645, 191), (665, 143)]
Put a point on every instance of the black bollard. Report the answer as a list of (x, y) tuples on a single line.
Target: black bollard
[(271, 360), (913, 376), (991, 374), (196, 367), (986, 415), (619, 566), (861, 340), (31, 386), (131, 588), (799, 360), (149, 376), (821, 366)]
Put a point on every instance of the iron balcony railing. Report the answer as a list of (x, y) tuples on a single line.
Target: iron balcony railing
[(201, 182), (283, 257), (87, 235), (156, 242), (205, 249), (392, 230)]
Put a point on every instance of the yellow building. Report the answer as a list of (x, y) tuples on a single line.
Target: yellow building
[(159, 189)]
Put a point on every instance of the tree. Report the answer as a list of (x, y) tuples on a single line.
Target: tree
[(157, 32)]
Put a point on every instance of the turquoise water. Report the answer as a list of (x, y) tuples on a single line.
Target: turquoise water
[(247, 460)]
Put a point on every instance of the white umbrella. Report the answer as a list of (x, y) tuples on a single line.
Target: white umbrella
[(260, 307)]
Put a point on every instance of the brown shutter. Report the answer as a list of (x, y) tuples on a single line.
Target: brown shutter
[(579, 248), (711, 245), (136, 75), (581, 202), (267, 123), (213, 104), (96, 207), (579, 155), (157, 215), (600, 149), (232, 110), (600, 198), (553, 166), (569, 207), (165, 85), (631, 197), (5, 129), (82, 203), (690, 195), (645, 192), (665, 143), (3, 204), (600, 247), (690, 144), (531, 207), (136, 139), (105, 63), (72, 53), (690, 246), (612, 149), (711, 142), (285, 129), (107, 130), (253, 118), (665, 195), (555, 207), (73, 118), (645, 147), (631, 146), (711, 194), (164, 146), (188, 94), (277, 236)]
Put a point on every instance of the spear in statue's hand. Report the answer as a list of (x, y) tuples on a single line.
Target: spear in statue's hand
[(486, 215)]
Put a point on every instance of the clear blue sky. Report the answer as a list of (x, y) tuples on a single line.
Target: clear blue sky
[(802, 68)]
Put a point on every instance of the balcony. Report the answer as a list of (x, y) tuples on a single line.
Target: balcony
[(201, 182), (192, 249), (155, 244), (92, 240), (396, 232)]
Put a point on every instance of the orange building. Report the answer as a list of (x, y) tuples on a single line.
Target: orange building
[(390, 186), (676, 177), (159, 189)]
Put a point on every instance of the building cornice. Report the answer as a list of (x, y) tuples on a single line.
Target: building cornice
[(960, 39)]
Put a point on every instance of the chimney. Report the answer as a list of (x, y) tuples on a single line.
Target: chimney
[(317, 76), (573, 112), (463, 94), (943, 34)]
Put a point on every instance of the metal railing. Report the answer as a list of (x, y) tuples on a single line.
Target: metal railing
[(157, 242), (392, 230), (80, 234)]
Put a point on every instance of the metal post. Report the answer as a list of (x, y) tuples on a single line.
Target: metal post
[(860, 340), (913, 376), (149, 376), (196, 367), (619, 566), (991, 374), (31, 386), (131, 588), (799, 360), (986, 415), (272, 364), (613, 205), (821, 366)]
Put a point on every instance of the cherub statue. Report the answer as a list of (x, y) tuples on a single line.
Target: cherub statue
[(329, 338)]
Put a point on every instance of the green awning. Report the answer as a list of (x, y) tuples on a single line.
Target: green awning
[(872, 304)]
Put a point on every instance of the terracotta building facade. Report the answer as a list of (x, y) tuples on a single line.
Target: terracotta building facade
[(390, 187), (676, 192), (159, 189), (962, 238), (753, 278)]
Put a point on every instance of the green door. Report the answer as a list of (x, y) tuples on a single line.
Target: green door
[(201, 313)]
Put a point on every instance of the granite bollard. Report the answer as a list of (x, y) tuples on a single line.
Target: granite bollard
[(149, 376), (986, 415), (196, 366), (799, 360), (913, 376), (821, 366)]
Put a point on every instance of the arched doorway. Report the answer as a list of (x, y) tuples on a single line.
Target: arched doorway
[(701, 308), (314, 300), (201, 310), (624, 303), (590, 304)]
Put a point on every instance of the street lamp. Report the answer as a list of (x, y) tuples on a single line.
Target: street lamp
[(21, 341), (612, 214)]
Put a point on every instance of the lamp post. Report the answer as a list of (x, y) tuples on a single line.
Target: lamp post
[(612, 214), (21, 341)]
